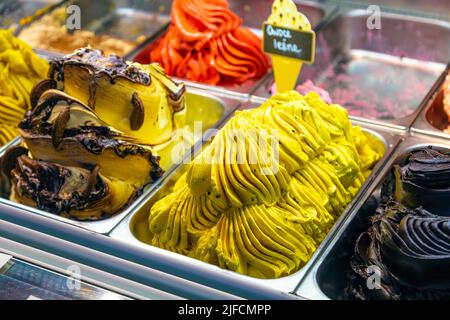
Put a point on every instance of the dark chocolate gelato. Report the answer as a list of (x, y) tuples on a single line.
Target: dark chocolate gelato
[(405, 253)]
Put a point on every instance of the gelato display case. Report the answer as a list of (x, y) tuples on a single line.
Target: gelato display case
[(148, 154), (87, 261), (32, 273), (21, 280)]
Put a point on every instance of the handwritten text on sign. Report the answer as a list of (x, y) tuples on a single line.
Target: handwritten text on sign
[(297, 44)]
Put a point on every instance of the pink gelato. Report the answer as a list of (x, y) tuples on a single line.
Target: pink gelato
[(309, 86)]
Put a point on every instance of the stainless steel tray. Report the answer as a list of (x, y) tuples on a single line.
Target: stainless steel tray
[(215, 275), (13, 11), (432, 120), (253, 13), (392, 68), (195, 99), (327, 278), (128, 21), (436, 9)]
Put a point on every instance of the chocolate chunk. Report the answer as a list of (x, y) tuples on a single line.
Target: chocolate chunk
[(137, 116), (92, 180), (59, 127), (39, 89)]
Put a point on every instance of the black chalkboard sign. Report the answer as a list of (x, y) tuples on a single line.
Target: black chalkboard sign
[(297, 44)]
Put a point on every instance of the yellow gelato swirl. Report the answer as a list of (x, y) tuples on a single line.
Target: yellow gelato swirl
[(265, 192), (20, 69)]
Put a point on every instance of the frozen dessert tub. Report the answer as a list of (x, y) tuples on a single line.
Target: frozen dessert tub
[(437, 9), (127, 21), (328, 276), (382, 75), (253, 14), (13, 13), (132, 231), (200, 106), (432, 119)]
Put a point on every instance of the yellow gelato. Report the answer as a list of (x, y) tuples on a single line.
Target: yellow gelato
[(20, 69), (264, 193)]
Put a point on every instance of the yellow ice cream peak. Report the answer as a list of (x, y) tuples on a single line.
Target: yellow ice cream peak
[(262, 209)]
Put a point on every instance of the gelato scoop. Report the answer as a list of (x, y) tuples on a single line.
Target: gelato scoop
[(424, 181), (408, 239), (100, 129), (148, 106), (265, 192), (411, 250), (70, 191), (207, 43), (20, 70)]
